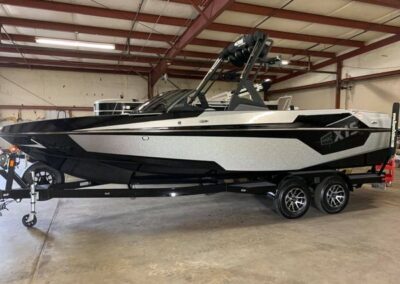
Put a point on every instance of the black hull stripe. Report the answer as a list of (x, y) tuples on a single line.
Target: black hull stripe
[(196, 132)]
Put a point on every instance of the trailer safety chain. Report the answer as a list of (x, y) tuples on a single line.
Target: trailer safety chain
[(3, 205)]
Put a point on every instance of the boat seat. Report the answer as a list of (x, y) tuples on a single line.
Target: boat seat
[(244, 107), (246, 104)]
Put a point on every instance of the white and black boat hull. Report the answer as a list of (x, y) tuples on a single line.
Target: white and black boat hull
[(258, 143)]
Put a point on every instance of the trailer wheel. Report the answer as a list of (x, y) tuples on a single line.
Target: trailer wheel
[(332, 195), (43, 175), (29, 224), (293, 198)]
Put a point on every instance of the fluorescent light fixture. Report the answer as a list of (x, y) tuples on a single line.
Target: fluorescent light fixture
[(285, 62), (74, 43), (267, 80)]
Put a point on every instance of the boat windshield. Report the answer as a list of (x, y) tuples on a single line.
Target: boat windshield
[(165, 102)]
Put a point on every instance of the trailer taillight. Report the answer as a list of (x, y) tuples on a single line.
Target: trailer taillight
[(13, 149)]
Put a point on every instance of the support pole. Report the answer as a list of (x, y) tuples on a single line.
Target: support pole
[(339, 67), (149, 87)]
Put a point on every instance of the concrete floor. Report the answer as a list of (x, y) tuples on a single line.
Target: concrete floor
[(222, 238)]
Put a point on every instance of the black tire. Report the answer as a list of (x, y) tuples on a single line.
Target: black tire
[(29, 224), (332, 195), (44, 174), (293, 198)]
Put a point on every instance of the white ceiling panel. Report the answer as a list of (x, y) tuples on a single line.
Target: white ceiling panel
[(240, 19), (363, 12), (200, 48), (100, 22), (370, 36), (292, 43), (157, 28), (129, 63), (155, 7), (44, 33), (394, 22), (10, 54), (36, 14), (221, 36), (335, 48), (152, 43), (100, 38), (328, 30), (316, 6), (284, 25)]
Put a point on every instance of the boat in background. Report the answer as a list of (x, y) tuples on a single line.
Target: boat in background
[(115, 106)]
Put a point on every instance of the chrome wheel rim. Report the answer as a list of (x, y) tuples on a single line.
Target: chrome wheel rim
[(295, 200), (43, 178), (336, 195)]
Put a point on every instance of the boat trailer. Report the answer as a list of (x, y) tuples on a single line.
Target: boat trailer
[(84, 189)]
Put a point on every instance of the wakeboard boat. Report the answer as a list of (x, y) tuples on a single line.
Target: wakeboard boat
[(177, 134)]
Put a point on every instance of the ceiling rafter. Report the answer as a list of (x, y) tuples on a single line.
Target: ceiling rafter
[(77, 64), (139, 35), (55, 26), (313, 18), (359, 51), (65, 68), (286, 35), (174, 21), (388, 3), (150, 50), (30, 50), (58, 52), (95, 11), (210, 12)]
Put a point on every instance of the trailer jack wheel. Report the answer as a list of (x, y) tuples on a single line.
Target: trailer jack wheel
[(293, 198), (332, 195), (29, 220)]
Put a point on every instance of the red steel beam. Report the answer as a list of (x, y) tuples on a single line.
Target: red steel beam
[(359, 51), (74, 64), (96, 55), (373, 76), (55, 26), (201, 74), (286, 35), (189, 2), (301, 88), (274, 49), (106, 55), (339, 69), (75, 53), (210, 13), (66, 68), (388, 3), (112, 56), (140, 35), (126, 15), (183, 75), (96, 11), (314, 18), (121, 47), (332, 83)]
